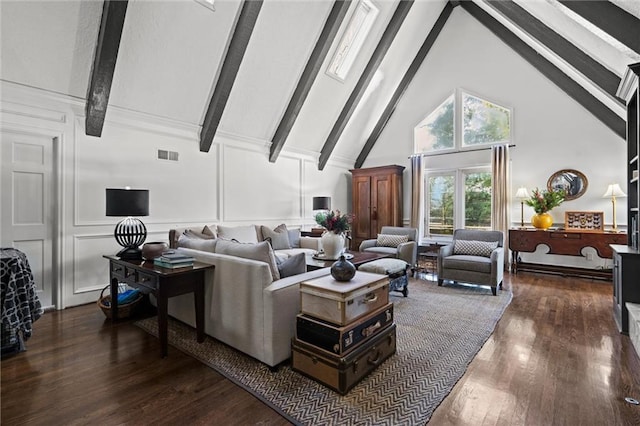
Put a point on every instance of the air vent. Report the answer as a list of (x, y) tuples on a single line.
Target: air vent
[(163, 154)]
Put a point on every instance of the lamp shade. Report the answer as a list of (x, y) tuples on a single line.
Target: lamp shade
[(127, 202), (614, 190), (321, 203), (522, 193)]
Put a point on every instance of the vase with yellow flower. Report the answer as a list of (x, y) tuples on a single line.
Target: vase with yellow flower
[(543, 202)]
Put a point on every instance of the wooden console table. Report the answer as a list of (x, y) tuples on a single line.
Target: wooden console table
[(163, 283), (568, 243)]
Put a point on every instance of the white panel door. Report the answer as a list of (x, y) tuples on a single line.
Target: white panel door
[(27, 213)]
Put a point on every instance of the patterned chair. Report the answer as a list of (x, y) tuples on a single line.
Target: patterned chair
[(475, 257), (395, 241)]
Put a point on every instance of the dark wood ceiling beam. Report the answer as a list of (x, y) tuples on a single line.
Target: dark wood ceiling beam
[(104, 64), (230, 66), (559, 78), (405, 82), (606, 80), (331, 26), (616, 22), (401, 12)]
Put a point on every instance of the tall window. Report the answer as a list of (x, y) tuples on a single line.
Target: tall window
[(457, 199), (481, 122)]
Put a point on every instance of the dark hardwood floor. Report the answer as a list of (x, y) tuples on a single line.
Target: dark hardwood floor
[(555, 358)]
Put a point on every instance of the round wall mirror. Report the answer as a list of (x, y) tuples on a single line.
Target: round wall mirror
[(573, 182)]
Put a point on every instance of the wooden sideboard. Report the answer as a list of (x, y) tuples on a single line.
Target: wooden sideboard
[(569, 243)]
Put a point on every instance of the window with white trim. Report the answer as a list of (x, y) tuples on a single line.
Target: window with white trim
[(454, 199)]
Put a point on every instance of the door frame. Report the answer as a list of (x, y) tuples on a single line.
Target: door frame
[(57, 138)]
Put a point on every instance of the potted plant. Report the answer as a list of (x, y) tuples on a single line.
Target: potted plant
[(542, 202), (335, 224)]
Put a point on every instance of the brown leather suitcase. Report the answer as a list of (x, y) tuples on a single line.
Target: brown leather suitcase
[(341, 373), (339, 340)]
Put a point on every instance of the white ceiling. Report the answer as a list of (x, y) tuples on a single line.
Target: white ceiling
[(171, 51)]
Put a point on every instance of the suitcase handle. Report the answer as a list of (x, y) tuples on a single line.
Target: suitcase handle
[(375, 360), (371, 329), (369, 298)]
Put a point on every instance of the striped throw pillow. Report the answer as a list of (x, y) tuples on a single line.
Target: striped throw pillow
[(474, 248), (387, 240)]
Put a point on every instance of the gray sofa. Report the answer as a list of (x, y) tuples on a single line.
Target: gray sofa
[(471, 258)]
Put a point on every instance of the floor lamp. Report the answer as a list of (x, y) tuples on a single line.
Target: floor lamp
[(522, 194), (614, 191)]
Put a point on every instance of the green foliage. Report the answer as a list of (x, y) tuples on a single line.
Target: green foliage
[(441, 194), (543, 201), (334, 221), (484, 122), (477, 200), (441, 127)]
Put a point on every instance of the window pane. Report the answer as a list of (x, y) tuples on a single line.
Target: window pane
[(436, 131), (477, 200), (440, 204), (483, 121)]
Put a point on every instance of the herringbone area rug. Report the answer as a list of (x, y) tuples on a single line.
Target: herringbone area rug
[(439, 331)]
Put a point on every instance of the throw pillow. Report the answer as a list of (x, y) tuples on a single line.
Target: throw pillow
[(388, 240), (260, 251), (210, 231), (279, 237), (244, 234), (474, 248), (190, 233), (208, 244), (294, 265), (294, 238)]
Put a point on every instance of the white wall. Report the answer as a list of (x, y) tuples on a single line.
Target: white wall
[(551, 131), (234, 183)]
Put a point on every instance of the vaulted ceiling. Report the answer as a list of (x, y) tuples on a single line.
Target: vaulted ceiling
[(256, 69)]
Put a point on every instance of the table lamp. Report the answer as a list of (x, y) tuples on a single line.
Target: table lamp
[(522, 194), (614, 191), (321, 203), (130, 232)]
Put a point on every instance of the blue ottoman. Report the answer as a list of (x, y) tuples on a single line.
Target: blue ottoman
[(396, 269)]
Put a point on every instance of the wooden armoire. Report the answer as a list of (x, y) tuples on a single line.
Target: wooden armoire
[(377, 201)]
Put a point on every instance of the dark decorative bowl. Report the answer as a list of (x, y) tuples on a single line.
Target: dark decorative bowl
[(152, 250)]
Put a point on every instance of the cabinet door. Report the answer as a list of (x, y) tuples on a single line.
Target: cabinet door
[(361, 209), (381, 203)]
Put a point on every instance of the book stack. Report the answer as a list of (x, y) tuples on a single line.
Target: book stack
[(174, 260)]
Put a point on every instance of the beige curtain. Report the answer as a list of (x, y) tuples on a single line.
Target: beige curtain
[(416, 190), (500, 219)]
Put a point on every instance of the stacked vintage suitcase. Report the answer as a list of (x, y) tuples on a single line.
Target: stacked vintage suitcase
[(345, 329)]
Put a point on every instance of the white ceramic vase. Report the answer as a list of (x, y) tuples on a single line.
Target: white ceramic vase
[(332, 245)]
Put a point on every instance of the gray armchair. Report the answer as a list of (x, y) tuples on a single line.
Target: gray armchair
[(406, 251), (471, 262)]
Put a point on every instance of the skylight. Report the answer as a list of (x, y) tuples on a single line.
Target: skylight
[(207, 3), (352, 39)]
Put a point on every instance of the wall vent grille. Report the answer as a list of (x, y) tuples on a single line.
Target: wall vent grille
[(163, 154)]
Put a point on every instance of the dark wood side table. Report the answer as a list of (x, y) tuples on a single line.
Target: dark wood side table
[(163, 283)]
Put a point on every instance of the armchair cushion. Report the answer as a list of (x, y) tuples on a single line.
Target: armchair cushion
[(474, 248), (468, 263), (388, 240)]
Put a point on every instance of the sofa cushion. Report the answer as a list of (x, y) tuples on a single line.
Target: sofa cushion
[(203, 244), (474, 248), (480, 264), (294, 238), (279, 237), (387, 240), (293, 265), (191, 233), (243, 234), (260, 251)]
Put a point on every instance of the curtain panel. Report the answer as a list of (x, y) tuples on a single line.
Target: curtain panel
[(500, 212)]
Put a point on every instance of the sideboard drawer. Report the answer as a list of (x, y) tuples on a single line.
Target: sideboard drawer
[(565, 235)]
